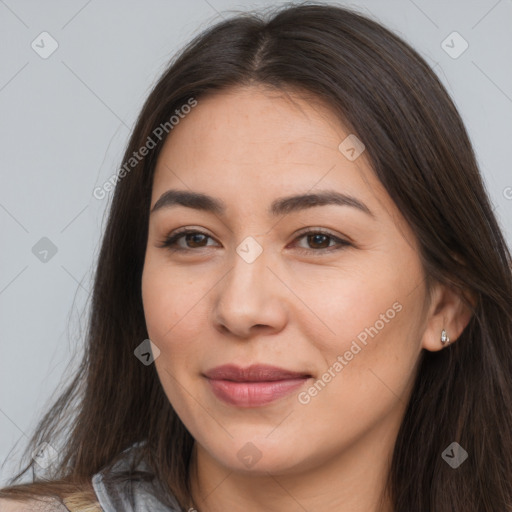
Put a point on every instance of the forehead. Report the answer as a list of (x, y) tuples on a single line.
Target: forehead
[(243, 119), (261, 143)]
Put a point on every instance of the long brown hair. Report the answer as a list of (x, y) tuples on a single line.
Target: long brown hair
[(419, 149)]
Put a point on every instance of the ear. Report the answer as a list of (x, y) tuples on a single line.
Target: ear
[(447, 310)]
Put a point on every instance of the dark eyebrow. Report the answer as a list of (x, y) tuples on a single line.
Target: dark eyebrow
[(281, 206)]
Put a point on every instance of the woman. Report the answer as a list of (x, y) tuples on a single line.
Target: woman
[(303, 297)]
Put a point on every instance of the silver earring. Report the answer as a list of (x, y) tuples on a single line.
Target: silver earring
[(444, 338)]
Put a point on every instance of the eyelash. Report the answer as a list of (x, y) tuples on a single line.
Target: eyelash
[(170, 242)]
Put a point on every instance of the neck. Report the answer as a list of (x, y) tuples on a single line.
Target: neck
[(353, 480)]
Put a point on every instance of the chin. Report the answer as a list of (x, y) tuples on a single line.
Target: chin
[(258, 455)]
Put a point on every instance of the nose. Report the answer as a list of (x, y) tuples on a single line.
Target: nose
[(251, 298)]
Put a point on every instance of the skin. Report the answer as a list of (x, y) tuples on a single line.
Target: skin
[(299, 305)]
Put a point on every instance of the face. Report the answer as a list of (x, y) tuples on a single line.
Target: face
[(333, 292)]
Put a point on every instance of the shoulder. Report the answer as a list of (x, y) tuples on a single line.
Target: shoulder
[(44, 505), (82, 500), (13, 505)]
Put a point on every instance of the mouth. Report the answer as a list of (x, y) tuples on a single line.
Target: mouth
[(253, 386)]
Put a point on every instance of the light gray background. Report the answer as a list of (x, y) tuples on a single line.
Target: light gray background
[(66, 119)]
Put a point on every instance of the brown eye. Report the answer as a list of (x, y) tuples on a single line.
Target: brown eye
[(196, 239), (318, 239), (193, 240), (319, 242)]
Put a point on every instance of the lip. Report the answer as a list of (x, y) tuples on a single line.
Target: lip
[(255, 385)]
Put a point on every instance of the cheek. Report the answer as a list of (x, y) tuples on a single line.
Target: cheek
[(367, 367), (346, 305), (173, 305), (366, 322)]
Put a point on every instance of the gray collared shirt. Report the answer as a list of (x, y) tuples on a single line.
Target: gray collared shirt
[(130, 494)]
